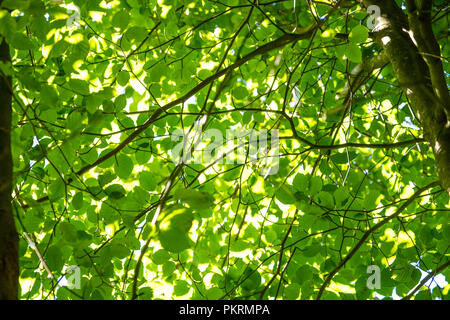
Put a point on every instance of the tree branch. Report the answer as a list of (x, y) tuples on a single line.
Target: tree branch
[(358, 76), (428, 277), (368, 233), (275, 44)]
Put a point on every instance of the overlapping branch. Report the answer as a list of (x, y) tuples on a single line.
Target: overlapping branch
[(374, 228)]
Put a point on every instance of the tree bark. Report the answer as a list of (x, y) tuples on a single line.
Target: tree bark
[(9, 260), (415, 57)]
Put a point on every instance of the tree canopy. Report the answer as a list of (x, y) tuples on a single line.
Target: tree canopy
[(232, 149)]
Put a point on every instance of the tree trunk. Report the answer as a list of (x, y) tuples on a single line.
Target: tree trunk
[(415, 57), (9, 260)]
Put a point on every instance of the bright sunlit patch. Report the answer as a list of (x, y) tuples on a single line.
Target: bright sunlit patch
[(217, 32), (407, 238), (389, 235), (97, 16), (386, 105), (210, 65), (328, 34), (242, 254), (258, 187), (390, 211), (338, 287), (26, 284), (408, 191), (164, 9), (437, 146), (60, 16), (75, 38), (77, 64), (110, 229), (388, 261), (162, 290)]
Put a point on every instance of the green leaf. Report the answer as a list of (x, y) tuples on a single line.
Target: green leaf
[(121, 19), (56, 190), (119, 250), (341, 196), (74, 121), (54, 258), (291, 292), (174, 240), (115, 191), (214, 293), (239, 246), (147, 180), (79, 86), (16, 4), (315, 185), (240, 93), (168, 268), (160, 256), (108, 106), (93, 102), (311, 251), (301, 182), (353, 53), (157, 71), (106, 178), (68, 232), (362, 291), (136, 33), (359, 34), (194, 198), (120, 102), (284, 195), (108, 214), (77, 201), (32, 223), (123, 166), (133, 3), (326, 199), (303, 274), (20, 41), (180, 218), (174, 230), (145, 293), (370, 199), (252, 279), (123, 77), (343, 157), (181, 288), (49, 96)]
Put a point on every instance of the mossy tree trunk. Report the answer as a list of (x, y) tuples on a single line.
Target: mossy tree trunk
[(9, 264)]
